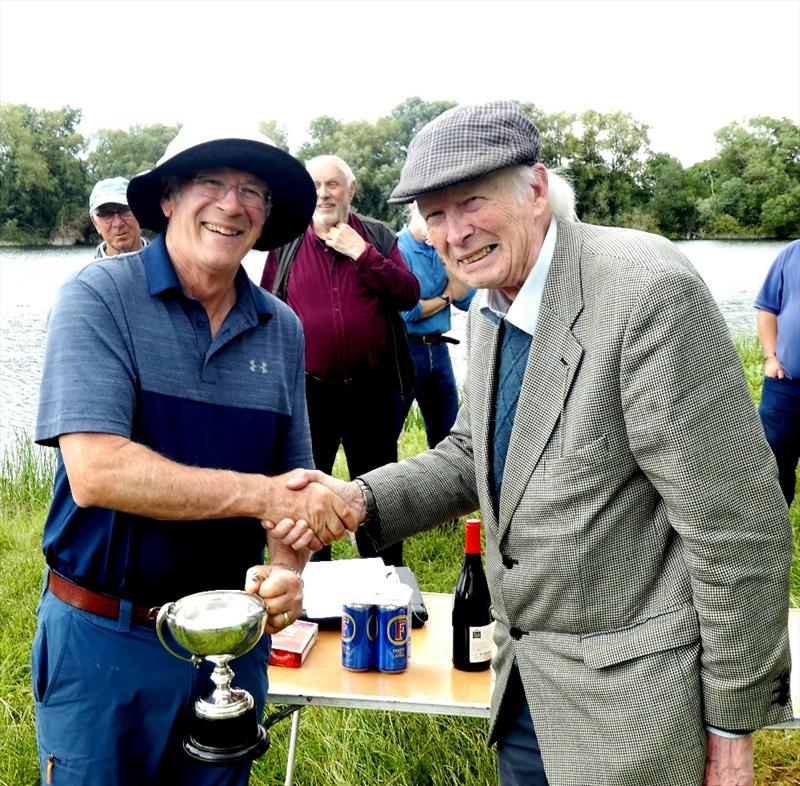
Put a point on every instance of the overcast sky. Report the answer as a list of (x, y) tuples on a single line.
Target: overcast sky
[(683, 67)]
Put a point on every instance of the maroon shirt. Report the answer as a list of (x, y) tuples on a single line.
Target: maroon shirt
[(341, 302)]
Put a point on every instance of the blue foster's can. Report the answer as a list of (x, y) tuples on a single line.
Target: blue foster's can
[(393, 637), (358, 636)]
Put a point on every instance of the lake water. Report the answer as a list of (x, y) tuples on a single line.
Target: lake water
[(30, 278)]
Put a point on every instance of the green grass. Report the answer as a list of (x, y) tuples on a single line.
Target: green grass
[(21, 570), (337, 747), (26, 474)]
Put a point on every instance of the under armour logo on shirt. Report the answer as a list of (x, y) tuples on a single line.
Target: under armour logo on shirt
[(262, 367)]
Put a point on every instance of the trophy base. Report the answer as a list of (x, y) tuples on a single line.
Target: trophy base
[(227, 741)]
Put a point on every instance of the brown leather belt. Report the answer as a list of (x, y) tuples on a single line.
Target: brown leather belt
[(433, 338), (95, 603)]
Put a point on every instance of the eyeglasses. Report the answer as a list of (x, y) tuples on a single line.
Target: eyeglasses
[(107, 214), (249, 195)]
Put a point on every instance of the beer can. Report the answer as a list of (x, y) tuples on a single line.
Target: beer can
[(358, 636), (393, 638)]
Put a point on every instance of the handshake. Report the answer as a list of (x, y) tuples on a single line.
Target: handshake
[(316, 509)]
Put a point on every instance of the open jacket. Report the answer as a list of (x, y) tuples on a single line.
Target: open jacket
[(639, 560)]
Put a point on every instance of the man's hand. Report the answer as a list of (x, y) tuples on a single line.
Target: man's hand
[(344, 239), (281, 589), (309, 505), (350, 492), (729, 762), (456, 288), (773, 368), (297, 533)]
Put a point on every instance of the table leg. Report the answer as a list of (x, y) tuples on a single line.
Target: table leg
[(292, 747)]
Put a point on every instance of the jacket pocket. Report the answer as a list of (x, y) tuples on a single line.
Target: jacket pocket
[(667, 631), (585, 458)]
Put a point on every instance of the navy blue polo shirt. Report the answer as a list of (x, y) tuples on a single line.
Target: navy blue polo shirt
[(129, 353)]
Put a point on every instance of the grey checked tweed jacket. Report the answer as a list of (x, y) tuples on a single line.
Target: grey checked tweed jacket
[(647, 546)]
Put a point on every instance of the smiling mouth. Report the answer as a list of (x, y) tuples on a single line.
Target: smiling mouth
[(221, 230), (478, 255)]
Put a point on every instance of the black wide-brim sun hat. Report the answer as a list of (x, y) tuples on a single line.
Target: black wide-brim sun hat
[(294, 197)]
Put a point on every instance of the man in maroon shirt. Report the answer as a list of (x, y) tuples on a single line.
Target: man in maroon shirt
[(348, 282)]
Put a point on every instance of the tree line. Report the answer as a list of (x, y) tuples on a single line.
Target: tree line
[(751, 188)]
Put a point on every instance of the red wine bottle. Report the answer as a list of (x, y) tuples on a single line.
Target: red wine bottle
[(472, 616)]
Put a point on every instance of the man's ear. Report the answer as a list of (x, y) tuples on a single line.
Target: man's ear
[(540, 187), (166, 206)]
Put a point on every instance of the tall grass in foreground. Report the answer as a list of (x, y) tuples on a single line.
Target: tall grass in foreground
[(26, 476), (337, 747)]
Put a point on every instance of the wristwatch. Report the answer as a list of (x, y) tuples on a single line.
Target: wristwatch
[(369, 500), (446, 298)]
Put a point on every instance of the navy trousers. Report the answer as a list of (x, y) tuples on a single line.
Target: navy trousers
[(519, 760), (780, 416), (112, 705)]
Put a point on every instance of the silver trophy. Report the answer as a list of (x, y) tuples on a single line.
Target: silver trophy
[(219, 626)]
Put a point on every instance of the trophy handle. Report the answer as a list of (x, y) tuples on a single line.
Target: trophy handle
[(160, 620)]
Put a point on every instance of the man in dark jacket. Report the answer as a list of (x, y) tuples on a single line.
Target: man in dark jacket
[(347, 281)]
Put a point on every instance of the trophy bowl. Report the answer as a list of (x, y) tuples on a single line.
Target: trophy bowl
[(222, 622), (218, 626)]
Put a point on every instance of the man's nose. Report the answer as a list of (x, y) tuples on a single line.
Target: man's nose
[(459, 228), (231, 202)]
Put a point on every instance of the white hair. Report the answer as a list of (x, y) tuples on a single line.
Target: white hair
[(339, 162), (561, 194)]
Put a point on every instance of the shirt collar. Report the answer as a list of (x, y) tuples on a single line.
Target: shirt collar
[(523, 311), (162, 278)]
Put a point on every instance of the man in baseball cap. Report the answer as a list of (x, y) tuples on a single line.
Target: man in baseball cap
[(113, 219), (638, 547), (174, 389)]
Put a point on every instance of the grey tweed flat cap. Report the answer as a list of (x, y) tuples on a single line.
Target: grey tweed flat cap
[(464, 143)]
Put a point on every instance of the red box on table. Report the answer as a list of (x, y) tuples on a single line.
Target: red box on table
[(291, 645)]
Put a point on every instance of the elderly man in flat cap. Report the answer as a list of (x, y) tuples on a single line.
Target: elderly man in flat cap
[(113, 218), (638, 546), (174, 390)]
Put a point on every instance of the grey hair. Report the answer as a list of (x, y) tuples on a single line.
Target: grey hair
[(561, 194), (410, 210), (339, 162), (171, 184)]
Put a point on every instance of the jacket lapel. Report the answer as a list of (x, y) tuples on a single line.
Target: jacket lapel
[(553, 361), (482, 370)]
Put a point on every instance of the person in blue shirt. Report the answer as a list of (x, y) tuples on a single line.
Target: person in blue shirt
[(435, 389), (173, 388), (778, 304)]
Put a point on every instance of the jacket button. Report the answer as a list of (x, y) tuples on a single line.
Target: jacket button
[(515, 633)]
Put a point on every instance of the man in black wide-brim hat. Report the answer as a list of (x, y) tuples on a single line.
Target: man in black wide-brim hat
[(173, 388)]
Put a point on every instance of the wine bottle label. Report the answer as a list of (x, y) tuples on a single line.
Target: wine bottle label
[(480, 644)]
